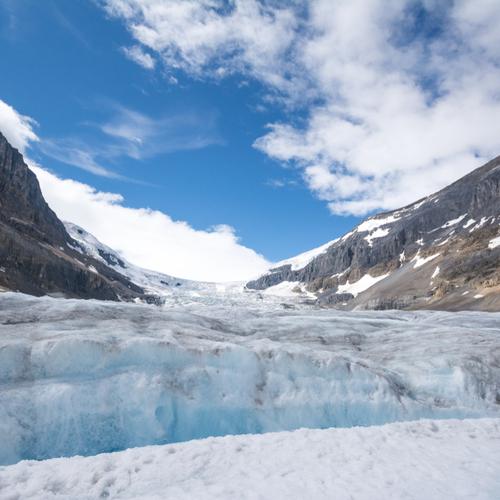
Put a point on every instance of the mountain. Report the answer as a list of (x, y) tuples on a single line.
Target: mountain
[(153, 283), (37, 255), (441, 252)]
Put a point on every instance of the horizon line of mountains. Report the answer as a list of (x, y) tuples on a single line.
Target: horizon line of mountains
[(441, 252)]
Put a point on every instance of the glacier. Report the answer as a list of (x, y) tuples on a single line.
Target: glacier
[(85, 377), (424, 460)]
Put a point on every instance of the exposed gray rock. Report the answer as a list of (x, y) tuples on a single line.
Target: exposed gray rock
[(331, 297), (457, 223), (37, 256)]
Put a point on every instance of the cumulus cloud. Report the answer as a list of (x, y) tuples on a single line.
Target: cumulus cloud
[(17, 128), (213, 37), (400, 96), (136, 54), (148, 238)]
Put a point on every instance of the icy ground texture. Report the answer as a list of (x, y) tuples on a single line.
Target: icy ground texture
[(428, 460), (83, 377)]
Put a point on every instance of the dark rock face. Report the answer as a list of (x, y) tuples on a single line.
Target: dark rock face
[(21, 202), (37, 256), (331, 298), (455, 225)]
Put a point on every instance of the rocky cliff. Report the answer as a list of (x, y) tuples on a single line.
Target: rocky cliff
[(440, 252), (37, 255)]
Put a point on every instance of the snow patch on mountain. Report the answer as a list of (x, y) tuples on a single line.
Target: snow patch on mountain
[(420, 261), (378, 233), (371, 224), (453, 222), (151, 281), (495, 242), (287, 289), (361, 285)]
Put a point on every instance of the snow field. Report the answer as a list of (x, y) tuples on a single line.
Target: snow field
[(425, 460)]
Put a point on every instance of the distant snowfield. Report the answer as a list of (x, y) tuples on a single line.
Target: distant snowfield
[(427, 460), (85, 377)]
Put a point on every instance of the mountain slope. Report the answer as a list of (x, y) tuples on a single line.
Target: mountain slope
[(440, 252), (37, 255), (152, 282)]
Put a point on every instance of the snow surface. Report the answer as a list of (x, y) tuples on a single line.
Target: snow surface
[(371, 224), (287, 289), (480, 224), (495, 242), (469, 223), (378, 233), (426, 460), (361, 285), (453, 222), (420, 261), (83, 377), (151, 281)]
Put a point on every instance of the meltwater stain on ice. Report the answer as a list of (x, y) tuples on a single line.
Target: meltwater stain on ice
[(84, 377)]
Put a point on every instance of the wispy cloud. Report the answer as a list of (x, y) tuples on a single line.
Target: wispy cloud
[(141, 136), (70, 27), (72, 152), (400, 97), (129, 133), (281, 183), (10, 26)]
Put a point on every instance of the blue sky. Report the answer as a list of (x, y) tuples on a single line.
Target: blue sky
[(208, 138), (69, 73)]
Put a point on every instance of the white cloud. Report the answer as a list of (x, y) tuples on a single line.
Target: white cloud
[(208, 36), (78, 155), (401, 96), (17, 128), (136, 54), (148, 238), (141, 136)]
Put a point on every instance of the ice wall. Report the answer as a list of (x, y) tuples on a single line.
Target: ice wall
[(83, 377)]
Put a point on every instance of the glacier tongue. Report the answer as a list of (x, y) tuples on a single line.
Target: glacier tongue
[(83, 377)]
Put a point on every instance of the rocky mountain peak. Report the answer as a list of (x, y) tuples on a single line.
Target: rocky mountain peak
[(37, 255), (388, 261)]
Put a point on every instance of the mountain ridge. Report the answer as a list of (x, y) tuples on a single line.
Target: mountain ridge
[(37, 255), (440, 252), (462, 218)]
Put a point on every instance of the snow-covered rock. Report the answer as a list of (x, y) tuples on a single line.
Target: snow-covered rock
[(151, 281), (83, 377), (426, 460), (460, 224), (300, 261)]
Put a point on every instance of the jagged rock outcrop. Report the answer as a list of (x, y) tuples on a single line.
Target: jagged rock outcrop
[(439, 252), (37, 256)]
